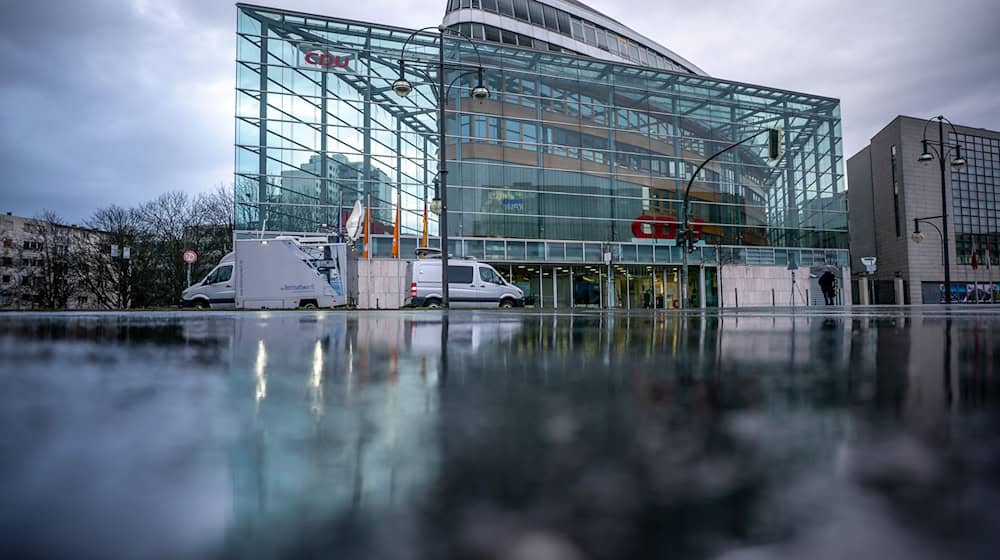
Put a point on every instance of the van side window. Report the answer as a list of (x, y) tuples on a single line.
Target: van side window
[(224, 274), (487, 275), (459, 274), (211, 278)]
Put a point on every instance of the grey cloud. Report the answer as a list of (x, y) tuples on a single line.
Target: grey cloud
[(116, 101)]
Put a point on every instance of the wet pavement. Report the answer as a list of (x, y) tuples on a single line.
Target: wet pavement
[(750, 435)]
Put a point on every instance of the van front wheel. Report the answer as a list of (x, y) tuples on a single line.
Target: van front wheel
[(507, 304)]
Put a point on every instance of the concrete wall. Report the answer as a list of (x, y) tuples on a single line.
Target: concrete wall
[(755, 284), (380, 283)]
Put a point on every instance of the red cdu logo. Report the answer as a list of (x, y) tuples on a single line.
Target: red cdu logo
[(660, 227), (325, 59)]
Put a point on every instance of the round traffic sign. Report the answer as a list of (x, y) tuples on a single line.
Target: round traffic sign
[(190, 256)]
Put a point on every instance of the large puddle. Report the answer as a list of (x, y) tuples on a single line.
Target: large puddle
[(535, 436)]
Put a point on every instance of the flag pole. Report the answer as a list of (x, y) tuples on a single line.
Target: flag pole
[(975, 272), (989, 271)]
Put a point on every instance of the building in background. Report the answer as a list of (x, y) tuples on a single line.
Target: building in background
[(37, 264), (583, 149), (890, 188), (564, 26)]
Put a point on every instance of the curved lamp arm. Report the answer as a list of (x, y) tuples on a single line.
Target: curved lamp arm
[(939, 148)]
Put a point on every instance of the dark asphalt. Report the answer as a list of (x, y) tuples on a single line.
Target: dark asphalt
[(759, 434)]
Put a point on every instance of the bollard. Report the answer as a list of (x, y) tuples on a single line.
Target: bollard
[(772, 297), (736, 292)]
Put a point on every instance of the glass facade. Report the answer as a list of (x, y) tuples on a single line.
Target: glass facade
[(570, 157), (976, 198)]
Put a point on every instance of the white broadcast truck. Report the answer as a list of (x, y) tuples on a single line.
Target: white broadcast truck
[(280, 273)]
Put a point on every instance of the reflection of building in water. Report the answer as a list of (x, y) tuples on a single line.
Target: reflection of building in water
[(334, 415)]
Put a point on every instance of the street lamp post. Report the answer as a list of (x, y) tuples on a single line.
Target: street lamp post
[(939, 149), (685, 239), (403, 87), (918, 235)]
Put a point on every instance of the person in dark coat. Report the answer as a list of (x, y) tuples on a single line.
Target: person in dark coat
[(647, 299), (828, 283)]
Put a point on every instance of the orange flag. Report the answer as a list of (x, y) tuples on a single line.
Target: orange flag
[(395, 235), (425, 228), (368, 221)]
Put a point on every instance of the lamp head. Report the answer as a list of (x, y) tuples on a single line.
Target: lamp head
[(480, 93), (917, 237), (402, 87), (958, 160), (435, 206), (926, 155)]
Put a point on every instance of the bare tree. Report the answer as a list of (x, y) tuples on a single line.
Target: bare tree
[(115, 281), (168, 219), (218, 207), (54, 277)]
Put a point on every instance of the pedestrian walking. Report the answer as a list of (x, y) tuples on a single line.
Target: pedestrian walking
[(647, 299), (828, 283)]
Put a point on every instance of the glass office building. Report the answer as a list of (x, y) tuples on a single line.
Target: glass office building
[(570, 158)]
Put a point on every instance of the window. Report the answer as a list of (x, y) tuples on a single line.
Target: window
[(589, 35), (486, 275), (550, 18), (895, 188), (492, 34), (81, 300), (612, 44), (225, 273), (564, 25), (459, 274), (521, 10), (602, 39), (490, 5), (535, 9), (506, 8), (577, 29)]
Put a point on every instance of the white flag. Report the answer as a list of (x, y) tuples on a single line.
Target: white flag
[(355, 221)]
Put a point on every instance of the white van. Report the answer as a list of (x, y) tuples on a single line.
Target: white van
[(280, 273), (215, 290), (470, 284)]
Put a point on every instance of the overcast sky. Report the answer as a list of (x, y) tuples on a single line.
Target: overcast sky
[(116, 101)]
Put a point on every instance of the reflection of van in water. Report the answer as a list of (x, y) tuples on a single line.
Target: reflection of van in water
[(470, 284)]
